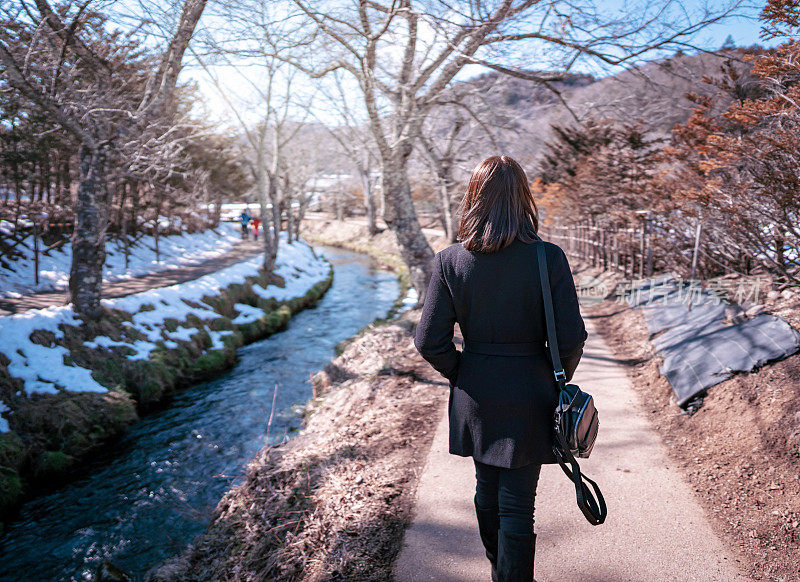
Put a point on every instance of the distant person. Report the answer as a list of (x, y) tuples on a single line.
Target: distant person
[(502, 386), (244, 219), (256, 225)]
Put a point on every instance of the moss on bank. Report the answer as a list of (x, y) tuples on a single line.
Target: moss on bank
[(51, 433)]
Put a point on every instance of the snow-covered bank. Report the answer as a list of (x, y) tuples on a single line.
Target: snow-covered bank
[(44, 371), (146, 345), (17, 276)]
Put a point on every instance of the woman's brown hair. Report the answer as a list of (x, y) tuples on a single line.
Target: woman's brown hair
[(498, 207)]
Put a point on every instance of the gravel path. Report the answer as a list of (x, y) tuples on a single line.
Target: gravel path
[(656, 529), (241, 252)]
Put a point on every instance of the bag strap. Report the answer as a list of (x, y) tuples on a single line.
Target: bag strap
[(549, 317), (593, 507)]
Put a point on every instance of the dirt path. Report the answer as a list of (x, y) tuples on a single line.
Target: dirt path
[(242, 251), (656, 529)]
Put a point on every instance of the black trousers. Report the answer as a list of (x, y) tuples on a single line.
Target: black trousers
[(509, 492)]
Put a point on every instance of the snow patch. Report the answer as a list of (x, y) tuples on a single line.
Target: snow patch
[(183, 334), (216, 339), (43, 368), (3, 421), (409, 301), (247, 313), (174, 251), (300, 268)]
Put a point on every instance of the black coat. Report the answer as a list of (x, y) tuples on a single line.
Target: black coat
[(501, 406)]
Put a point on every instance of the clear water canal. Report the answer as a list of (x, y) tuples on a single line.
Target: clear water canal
[(146, 499)]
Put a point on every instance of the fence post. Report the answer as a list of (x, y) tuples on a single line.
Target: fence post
[(35, 251), (698, 227), (642, 248), (602, 234), (649, 245), (632, 250), (587, 240), (571, 233)]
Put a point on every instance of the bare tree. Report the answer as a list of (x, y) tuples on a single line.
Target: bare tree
[(353, 136), (441, 157), (269, 112), (457, 132), (403, 55), (65, 73), (297, 174)]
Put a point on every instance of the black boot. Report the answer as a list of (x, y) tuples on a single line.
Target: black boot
[(488, 526), (515, 554)]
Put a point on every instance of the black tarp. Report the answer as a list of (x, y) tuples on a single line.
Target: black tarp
[(699, 348)]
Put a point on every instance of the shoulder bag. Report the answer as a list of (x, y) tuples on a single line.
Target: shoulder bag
[(575, 418)]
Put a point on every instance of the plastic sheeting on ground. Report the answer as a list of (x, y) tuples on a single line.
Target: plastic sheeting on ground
[(699, 349)]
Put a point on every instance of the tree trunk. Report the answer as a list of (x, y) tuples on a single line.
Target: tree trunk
[(88, 239), (289, 229), (161, 87), (301, 213), (445, 203), (400, 215), (269, 251), (277, 218), (217, 208), (369, 201), (339, 206)]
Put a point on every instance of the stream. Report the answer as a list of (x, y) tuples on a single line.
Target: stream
[(146, 499)]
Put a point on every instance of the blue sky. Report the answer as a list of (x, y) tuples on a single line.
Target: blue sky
[(744, 29)]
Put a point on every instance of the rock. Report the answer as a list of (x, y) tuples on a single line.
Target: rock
[(734, 314), (108, 572), (754, 310)]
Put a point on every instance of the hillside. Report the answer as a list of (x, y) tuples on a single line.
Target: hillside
[(521, 112)]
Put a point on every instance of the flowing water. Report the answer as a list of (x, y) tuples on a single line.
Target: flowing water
[(155, 491)]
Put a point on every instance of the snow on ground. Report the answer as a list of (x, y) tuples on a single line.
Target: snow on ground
[(175, 251), (247, 313), (296, 263), (3, 421), (409, 301), (43, 369)]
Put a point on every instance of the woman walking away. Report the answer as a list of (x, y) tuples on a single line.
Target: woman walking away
[(502, 388)]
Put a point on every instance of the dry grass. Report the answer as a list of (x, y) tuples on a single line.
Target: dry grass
[(333, 503)]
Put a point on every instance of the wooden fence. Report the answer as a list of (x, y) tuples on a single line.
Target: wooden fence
[(628, 250)]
